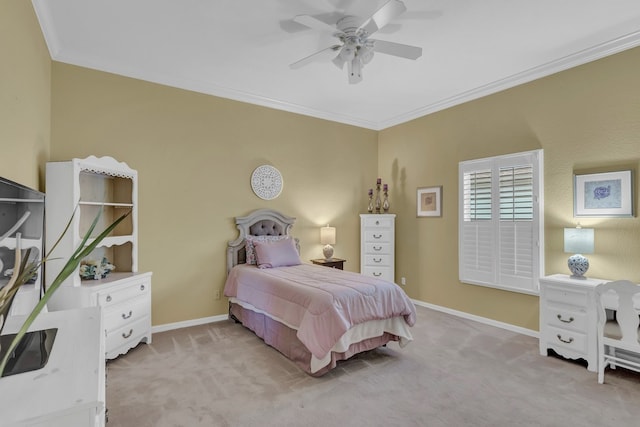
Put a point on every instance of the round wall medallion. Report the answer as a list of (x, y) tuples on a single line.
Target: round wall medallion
[(266, 182)]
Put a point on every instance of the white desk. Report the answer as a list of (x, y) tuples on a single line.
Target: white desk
[(70, 390)]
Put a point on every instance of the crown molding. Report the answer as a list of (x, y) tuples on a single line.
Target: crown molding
[(561, 64), (591, 54)]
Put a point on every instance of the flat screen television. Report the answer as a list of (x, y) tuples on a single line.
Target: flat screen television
[(22, 225)]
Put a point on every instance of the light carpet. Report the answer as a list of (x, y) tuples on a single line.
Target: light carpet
[(456, 372)]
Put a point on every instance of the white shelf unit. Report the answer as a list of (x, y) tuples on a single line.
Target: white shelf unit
[(16, 202), (88, 187), (377, 246)]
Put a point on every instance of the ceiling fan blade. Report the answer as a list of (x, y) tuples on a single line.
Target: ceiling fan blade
[(314, 56), (315, 23), (388, 12), (397, 49)]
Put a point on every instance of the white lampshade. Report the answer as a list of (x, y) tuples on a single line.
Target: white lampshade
[(328, 235), (578, 241), (328, 238)]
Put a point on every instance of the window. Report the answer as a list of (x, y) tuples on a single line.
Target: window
[(500, 221)]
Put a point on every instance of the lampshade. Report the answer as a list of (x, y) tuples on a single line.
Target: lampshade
[(578, 241), (328, 235), (328, 238)]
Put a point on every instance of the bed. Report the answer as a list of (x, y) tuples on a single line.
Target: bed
[(314, 315)]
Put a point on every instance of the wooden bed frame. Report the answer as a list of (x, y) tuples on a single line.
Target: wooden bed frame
[(272, 223)]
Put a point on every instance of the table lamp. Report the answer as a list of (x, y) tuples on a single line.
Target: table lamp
[(328, 238), (578, 241)]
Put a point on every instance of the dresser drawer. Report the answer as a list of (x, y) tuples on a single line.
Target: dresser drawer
[(116, 316), (565, 318), (565, 296), (572, 340), (378, 236), (377, 248), (378, 222), (378, 272), (377, 260), (128, 334), (124, 293)]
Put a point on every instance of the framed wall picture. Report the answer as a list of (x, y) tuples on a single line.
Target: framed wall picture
[(429, 201), (608, 194)]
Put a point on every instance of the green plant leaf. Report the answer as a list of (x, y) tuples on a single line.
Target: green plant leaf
[(68, 269)]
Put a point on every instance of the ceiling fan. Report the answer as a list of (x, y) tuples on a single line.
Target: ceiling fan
[(356, 48)]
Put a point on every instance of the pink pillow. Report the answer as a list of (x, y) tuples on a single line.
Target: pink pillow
[(279, 253), (250, 250)]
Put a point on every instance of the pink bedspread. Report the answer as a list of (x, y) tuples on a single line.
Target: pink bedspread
[(321, 303)]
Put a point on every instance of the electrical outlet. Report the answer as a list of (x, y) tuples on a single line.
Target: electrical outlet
[(217, 294), (403, 281)]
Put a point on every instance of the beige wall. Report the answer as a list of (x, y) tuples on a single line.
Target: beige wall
[(585, 119), (25, 93), (194, 155)]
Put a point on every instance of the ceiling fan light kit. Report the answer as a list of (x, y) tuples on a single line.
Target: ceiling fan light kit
[(356, 48)]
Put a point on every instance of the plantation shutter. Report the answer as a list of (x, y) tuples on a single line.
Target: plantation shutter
[(477, 244), (517, 243), (500, 227)]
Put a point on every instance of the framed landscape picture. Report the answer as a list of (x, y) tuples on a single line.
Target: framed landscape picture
[(608, 194), (429, 201)]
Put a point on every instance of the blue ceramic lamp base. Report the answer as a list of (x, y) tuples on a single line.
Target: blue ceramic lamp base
[(578, 265)]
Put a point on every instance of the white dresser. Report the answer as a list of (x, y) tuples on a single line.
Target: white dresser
[(125, 299), (83, 189), (377, 245), (568, 318)]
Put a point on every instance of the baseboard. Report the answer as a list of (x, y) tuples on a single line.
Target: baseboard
[(188, 323), (479, 319)]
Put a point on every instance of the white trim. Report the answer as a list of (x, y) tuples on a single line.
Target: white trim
[(600, 51), (582, 57), (44, 15), (479, 319), (462, 314), (188, 323), (535, 292)]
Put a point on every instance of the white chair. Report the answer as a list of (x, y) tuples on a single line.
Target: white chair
[(620, 330)]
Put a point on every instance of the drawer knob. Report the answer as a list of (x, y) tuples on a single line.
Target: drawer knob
[(142, 287), (571, 319), (125, 316), (108, 298), (377, 260), (377, 236), (377, 222), (377, 274), (125, 336), (569, 341), (377, 248)]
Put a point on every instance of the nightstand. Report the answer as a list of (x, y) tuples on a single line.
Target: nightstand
[(568, 318), (331, 262)]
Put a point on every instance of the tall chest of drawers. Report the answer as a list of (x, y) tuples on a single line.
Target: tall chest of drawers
[(377, 246)]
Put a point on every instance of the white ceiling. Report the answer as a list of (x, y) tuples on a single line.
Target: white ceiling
[(241, 49)]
